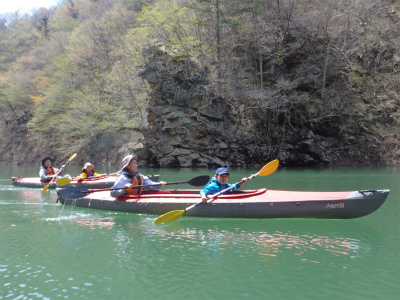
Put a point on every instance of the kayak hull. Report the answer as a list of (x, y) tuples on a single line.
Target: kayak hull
[(260, 203), (95, 183)]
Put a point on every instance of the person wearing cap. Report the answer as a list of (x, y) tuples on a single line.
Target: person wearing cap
[(87, 171), (130, 177), (47, 172), (219, 183)]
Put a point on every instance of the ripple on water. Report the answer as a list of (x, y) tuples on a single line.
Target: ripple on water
[(25, 281)]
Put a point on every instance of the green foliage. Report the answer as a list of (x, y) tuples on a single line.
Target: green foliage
[(277, 60), (94, 87), (168, 23), (16, 37), (74, 70)]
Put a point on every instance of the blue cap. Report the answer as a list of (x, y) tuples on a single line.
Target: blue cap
[(222, 171)]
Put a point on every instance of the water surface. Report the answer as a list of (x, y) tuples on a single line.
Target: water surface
[(52, 252)]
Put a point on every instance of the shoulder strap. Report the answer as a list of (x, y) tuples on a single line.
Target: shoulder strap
[(140, 181)]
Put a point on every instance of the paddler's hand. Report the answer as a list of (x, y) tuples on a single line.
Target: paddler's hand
[(128, 185), (162, 183), (203, 197), (244, 179)]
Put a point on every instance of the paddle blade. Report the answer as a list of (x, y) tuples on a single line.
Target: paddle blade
[(170, 216), (72, 157), (63, 181), (46, 187), (73, 193), (199, 181), (269, 168)]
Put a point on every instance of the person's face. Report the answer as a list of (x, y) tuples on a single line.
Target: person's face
[(47, 163), (133, 166), (222, 178), (89, 168)]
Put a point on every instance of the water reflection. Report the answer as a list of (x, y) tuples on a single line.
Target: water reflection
[(272, 246), (27, 196), (132, 234), (96, 222)]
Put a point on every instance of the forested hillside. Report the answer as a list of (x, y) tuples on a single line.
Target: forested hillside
[(308, 82)]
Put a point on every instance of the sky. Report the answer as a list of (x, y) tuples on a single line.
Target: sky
[(7, 6)]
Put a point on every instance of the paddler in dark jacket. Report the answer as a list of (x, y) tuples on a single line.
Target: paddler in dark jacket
[(129, 177), (47, 172)]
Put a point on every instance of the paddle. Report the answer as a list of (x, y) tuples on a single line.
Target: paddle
[(76, 193), (176, 214), (46, 187), (65, 181)]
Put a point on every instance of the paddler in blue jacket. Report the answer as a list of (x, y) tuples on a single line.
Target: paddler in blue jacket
[(219, 183), (129, 177)]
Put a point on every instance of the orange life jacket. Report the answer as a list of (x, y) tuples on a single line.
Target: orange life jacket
[(50, 171), (137, 180)]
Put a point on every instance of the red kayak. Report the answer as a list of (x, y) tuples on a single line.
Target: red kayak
[(93, 183), (260, 203)]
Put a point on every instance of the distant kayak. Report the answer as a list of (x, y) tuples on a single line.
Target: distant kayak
[(260, 203), (94, 183)]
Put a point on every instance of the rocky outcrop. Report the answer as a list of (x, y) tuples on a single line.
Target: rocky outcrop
[(189, 126)]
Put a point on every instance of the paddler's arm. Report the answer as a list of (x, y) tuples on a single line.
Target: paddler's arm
[(62, 170), (81, 176), (203, 197), (209, 189), (244, 179), (120, 184), (146, 181)]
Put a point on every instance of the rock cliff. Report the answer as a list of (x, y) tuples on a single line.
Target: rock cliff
[(189, 126)]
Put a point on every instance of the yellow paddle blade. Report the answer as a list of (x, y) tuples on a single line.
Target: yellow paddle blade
[(63, 181), (46, 187), (72, 157), (170, 216), (269, 168)]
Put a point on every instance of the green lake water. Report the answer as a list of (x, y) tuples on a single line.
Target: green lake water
[(52, 252)]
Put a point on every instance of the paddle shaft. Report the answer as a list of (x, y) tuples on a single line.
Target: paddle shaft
[(90, 178), (132, 187), (217, 194), (65, 181), (114, 189), (97, 176)]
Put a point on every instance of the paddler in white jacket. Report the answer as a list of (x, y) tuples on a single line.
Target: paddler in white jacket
[(47, 172), (129, 177)]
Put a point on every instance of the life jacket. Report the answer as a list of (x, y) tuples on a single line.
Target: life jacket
[(136, 180), (88, 174), (50, 171)]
